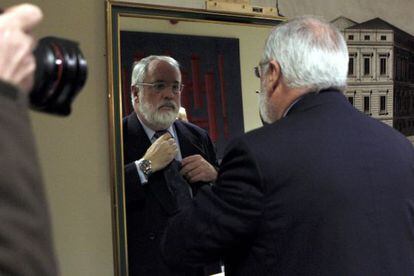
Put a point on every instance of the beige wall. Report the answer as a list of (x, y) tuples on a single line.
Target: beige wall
[(74, 151)]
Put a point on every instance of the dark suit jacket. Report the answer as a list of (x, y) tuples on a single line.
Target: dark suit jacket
[(323, 191), (149, 206), (25, 236)]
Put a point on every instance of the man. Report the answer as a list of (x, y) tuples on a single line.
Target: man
[(321, 190), (25, 236), (152, 195)]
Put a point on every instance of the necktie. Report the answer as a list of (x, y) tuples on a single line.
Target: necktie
[(177, 184), (159, 133)]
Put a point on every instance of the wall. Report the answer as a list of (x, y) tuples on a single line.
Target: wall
[(74, 151)]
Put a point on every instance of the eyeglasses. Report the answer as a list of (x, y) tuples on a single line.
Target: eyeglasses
[(257, 72), (160, 86), (258, 69)]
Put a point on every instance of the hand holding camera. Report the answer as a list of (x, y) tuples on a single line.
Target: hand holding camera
[(52, 74), (17, 63)]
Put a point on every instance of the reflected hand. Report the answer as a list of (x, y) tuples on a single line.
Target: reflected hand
[(195, 168), (17, 63), (161, 152)]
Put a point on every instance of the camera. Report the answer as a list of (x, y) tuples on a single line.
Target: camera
[(60, 74)]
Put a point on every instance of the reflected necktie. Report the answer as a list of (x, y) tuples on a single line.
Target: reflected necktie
[(178, 185)]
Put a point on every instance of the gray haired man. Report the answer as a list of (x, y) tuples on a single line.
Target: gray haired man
[(321, 190)]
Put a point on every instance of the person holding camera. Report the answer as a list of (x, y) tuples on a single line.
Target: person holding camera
[(26, 246)]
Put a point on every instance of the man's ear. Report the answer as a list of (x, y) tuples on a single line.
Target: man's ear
[(134, 93), (275, 74)]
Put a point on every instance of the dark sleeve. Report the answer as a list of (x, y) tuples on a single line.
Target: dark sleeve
[(25, 235), (133, 187), (221, 217), (8, 91), (211, 152), (135, 191)]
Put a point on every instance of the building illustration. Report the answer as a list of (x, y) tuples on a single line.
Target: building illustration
[(380, 71)]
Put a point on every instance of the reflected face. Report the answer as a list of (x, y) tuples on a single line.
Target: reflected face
[(158, 108)]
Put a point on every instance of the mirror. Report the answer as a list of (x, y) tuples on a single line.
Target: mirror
[(217, 53)]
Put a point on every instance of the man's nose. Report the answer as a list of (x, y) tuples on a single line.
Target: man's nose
[(169, 91)]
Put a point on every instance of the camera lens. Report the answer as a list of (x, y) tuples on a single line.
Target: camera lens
[(61, 72)]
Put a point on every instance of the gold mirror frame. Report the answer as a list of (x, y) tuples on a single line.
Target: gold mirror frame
[(127, 15)]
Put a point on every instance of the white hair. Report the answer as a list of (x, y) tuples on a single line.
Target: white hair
[(311, 53)]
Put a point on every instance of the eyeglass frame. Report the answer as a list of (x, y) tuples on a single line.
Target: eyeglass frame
[(159, 90), (258, 69)]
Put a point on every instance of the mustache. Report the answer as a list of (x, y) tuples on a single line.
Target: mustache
[(170, 104)]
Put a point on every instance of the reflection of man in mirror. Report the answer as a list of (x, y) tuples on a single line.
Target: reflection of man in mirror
[(166, 162), (323, 189)]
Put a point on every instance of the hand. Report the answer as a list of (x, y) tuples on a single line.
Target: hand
[(17, 63), (195, 168), (161, 152)]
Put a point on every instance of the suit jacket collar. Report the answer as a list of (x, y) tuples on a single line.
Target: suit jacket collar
[(189, 142), (137, 133), (314, 99)]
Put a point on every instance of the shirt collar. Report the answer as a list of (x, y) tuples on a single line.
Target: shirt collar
[(306, 95), (150, 133), (291, 105)]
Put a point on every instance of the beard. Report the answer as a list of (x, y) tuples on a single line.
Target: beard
[(158, 119), (262, 108), (267, 112)]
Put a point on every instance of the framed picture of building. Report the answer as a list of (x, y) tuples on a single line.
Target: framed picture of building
[(380, 71)]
